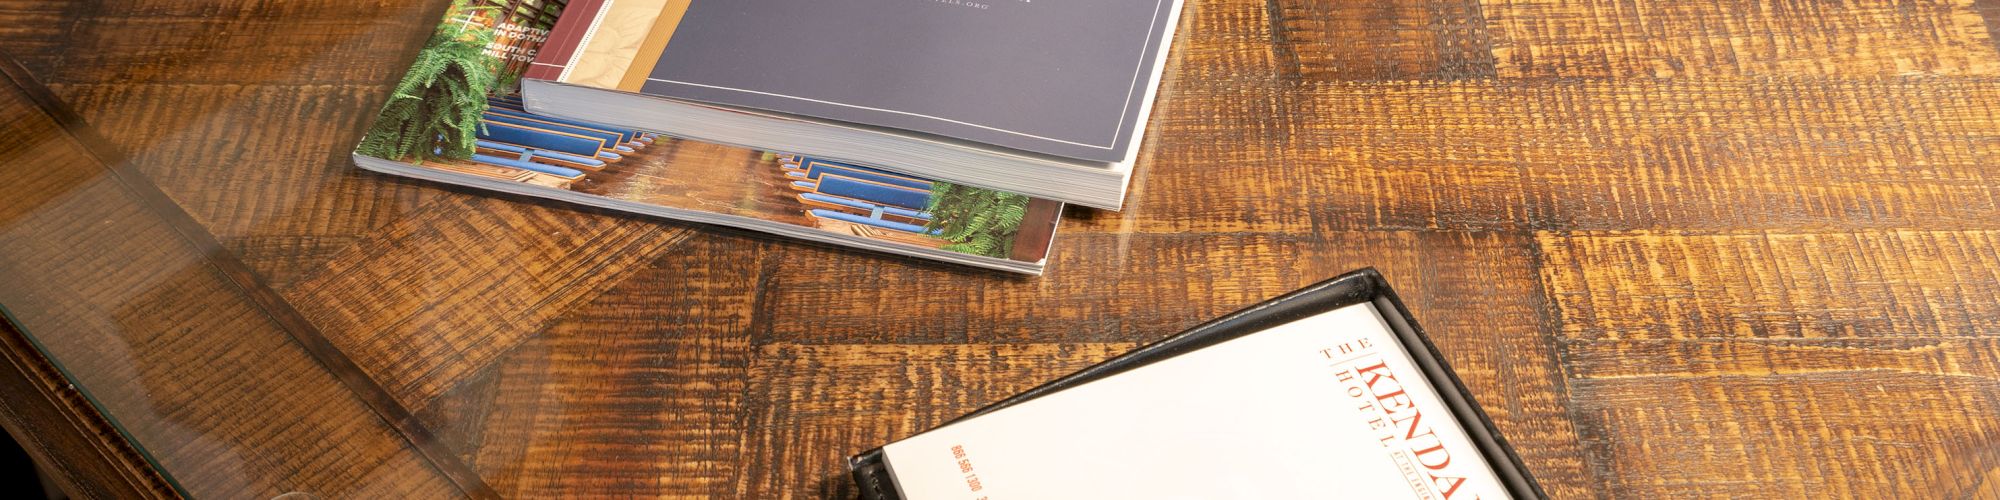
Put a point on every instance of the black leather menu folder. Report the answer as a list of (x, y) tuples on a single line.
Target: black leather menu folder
[(876, 481)]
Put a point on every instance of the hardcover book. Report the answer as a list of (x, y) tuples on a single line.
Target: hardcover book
[(457, 118), (1048, 99), (1329, 392)]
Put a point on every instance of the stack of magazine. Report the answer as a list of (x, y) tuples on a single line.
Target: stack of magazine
[(953, 130)]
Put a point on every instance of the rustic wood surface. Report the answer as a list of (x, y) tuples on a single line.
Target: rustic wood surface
[(1741, 248)]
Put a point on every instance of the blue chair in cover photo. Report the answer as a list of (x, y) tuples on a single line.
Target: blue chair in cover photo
[(816, 168), (868, 221), (869, 191), (627, 138), (499, 133), (863, 208), (898, 207), (512, 105), (565, 174), (612, 140), (569, 174), (541, 156)]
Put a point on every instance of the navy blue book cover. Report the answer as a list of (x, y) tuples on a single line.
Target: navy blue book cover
[(1070, 79)]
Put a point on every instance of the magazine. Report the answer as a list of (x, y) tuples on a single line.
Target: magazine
[(457, 118)]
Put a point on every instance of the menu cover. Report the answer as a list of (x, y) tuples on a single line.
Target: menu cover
[(1070, 79), (1331, 391)]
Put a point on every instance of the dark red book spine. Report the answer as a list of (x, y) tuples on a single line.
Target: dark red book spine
[(564, 40)]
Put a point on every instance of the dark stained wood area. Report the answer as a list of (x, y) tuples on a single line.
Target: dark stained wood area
[(1738, 249)]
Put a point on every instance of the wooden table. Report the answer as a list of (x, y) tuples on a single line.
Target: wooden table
[(1677, 249)]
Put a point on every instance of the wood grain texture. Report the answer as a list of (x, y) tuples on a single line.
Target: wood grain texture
[(1739, 38), (1724, 249), (170, 346), (426, 322), (1422, 40), (196, 43), (1573, 153), (1646, 285), (168, 89), (1887, 367), (670, 347)]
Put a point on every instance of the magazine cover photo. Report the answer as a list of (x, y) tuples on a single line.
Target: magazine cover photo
[(457, 117)]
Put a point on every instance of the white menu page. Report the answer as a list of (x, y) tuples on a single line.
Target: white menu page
[(1323, 407)]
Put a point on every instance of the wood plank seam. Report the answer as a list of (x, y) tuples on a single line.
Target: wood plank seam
[(1596, 461)]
